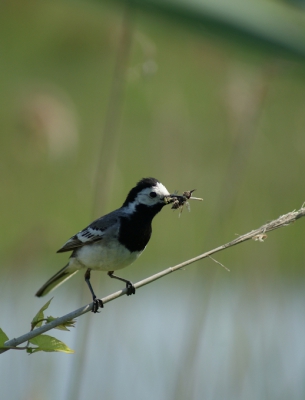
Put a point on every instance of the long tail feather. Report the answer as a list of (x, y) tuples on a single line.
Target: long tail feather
[(56, 280)]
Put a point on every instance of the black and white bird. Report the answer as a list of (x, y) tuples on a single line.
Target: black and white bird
[(115, 240)]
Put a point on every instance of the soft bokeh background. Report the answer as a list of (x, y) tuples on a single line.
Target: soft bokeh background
[(94, 97)]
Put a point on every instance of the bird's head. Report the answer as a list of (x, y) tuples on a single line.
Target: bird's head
[(150, 193)]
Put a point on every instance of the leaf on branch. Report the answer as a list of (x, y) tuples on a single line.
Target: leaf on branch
[(49, 344), (3, 338), (39, 317), (64, 326)]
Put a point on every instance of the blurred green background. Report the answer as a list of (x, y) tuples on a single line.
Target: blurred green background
[(199, 94)]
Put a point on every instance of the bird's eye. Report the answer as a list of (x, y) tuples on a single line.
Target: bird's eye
[(152, 194)]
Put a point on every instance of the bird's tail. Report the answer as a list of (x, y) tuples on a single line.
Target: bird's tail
[(56, 280)]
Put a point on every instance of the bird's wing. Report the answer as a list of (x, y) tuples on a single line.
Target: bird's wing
[(94, 232)]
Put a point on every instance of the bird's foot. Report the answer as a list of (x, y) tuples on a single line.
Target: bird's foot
[(97, 303), (130, 288)]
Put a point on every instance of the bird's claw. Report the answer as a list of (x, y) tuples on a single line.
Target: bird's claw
[(130, 288), (97, 303)]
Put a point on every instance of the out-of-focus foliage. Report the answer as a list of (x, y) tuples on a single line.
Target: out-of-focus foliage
[(264, 26)]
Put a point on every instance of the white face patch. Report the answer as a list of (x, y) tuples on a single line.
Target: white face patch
[(150, 196), (161, 189)]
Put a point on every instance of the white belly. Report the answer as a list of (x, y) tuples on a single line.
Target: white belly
[(97, 256)]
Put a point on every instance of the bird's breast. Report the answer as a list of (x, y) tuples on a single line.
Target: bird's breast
[(105, 255)]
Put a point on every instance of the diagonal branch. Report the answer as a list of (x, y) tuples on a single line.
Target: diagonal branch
[(257, 234)]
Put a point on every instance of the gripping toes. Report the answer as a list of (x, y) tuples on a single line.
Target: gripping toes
[(97, 303), (130, 288)]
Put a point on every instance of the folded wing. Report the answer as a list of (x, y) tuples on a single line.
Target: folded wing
[(92, 233)]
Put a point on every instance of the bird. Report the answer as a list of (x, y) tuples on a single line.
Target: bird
[(115, 240)]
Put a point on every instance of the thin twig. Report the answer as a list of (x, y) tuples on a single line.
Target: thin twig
[(217, 262), (283, 220)]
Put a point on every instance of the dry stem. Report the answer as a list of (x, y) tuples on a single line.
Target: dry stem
[(257, 234)]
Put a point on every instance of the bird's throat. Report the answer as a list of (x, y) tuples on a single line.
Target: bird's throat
[(135, 230)]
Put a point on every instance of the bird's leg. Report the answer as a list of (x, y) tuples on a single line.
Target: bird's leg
[(129, 285), (97, 303)]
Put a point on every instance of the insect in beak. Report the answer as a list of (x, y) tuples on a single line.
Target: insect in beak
[(179, 201), (168, 199)]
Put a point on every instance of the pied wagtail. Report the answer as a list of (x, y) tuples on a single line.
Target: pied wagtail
[(115, 240)]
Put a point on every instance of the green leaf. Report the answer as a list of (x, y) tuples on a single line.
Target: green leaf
[(64, 326), (39, 317), (30, 350), (3, 338), (49, 344)]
